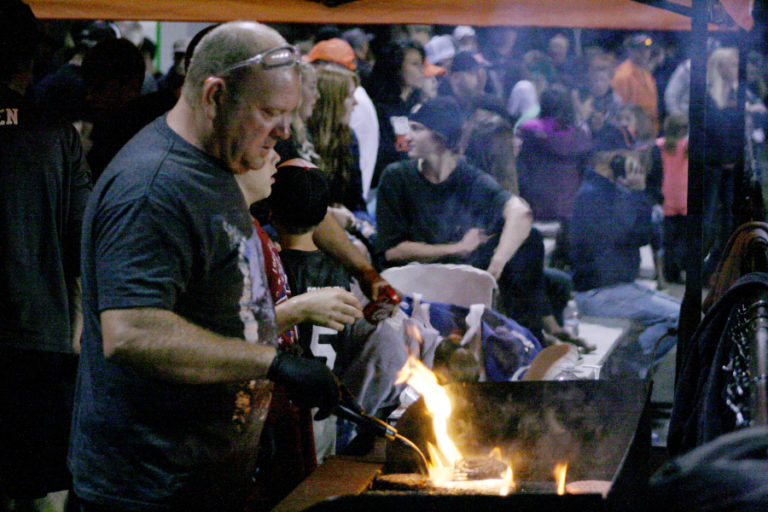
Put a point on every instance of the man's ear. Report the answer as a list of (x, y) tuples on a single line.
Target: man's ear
[(213, 88)]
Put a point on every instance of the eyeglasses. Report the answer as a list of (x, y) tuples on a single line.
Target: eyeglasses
[(278, 57)]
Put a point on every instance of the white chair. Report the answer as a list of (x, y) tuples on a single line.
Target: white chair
[(462, 285)]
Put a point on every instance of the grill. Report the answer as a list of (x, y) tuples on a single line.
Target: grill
[(598, 427)]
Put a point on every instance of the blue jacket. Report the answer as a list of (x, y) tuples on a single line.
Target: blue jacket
[(609, 225)]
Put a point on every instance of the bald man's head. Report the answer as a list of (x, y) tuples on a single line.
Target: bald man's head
[(223, 47)]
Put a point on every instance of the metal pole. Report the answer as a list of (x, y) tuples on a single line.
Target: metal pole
[(742, 209), (690, 313), (758, 348)]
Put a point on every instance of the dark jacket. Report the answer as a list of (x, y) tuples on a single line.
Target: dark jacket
[(701, 410), (609, 225)]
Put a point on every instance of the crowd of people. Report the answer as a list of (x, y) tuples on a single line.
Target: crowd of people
[(213, 220)]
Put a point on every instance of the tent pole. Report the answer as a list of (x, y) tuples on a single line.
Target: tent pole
[(668, 5), (742, 211), (690, 312)]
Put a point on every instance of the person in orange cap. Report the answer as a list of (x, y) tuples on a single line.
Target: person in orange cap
[(632, 80), (431, 74), (363, 121), (333, 50)]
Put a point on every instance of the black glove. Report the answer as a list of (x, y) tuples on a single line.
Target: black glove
[(309, 382)]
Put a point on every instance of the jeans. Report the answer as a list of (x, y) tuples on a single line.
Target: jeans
[(657, 311)]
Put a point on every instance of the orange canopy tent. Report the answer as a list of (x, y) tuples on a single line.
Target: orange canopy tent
[(609, 14)]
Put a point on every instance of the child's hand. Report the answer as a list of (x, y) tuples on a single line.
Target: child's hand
[(329, 307)]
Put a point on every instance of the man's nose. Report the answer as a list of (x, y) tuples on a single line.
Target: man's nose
[(283, 126)]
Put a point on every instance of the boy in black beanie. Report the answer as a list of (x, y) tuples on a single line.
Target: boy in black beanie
[(437, 208)]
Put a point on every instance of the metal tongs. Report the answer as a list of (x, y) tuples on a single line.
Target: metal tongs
[(350, 410)]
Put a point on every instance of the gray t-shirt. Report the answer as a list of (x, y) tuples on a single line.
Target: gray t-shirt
[(167, 227)]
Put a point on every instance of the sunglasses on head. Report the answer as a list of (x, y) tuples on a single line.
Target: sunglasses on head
[(278, 57)]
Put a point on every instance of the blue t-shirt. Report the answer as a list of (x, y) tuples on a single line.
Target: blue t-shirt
[(167, 227)]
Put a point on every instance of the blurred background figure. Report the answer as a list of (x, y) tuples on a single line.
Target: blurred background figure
[(363, 119), (465, 39), (440, 50), (360, 43), (419, 33), (633, 81), (174, 77), (553, 159), (148, 49), (299, 144), (724, 151), (332, 137), (64, 90), (432, 75), (44, 190), (673, 148), (394, 86), (523, 103), (113, 72)]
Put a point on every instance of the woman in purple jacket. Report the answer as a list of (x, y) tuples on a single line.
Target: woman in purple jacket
[(553, 157), (552, 161)]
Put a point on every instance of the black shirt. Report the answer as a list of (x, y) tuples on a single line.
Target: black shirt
[(44, 188), (412, 208), (167, 228), (309, 270)]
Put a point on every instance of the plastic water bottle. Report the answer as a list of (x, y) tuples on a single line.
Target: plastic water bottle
[(571, 319)]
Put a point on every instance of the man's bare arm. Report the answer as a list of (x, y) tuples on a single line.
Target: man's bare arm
[(332, 239), (408, 251), (518, 219), (162, 343)]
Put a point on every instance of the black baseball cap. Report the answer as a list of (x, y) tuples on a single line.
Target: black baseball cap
[(464, 61), (442, 115), (637, 41)]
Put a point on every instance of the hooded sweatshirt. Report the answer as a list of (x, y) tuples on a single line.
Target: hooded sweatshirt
[(551, 164)]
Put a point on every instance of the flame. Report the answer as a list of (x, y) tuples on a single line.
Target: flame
[(509, 482), (413, 332), (444, 456), (424, 381), (436, 456), (508, 478), (561, 468)]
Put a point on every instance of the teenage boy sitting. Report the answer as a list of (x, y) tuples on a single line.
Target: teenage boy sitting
[(437, 208)]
